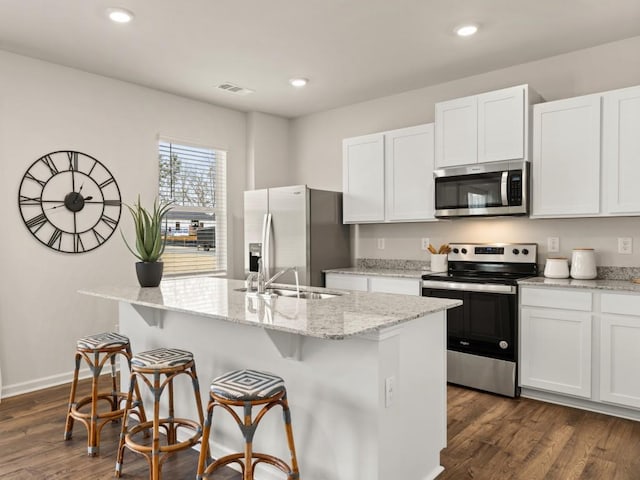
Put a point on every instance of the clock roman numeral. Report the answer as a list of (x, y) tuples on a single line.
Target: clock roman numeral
[(99, 238), (78, 246), (30, 200), (73, 160), (31, 177), (110, 222), (34, 224), (48, 161), (56, 237), (108, 181)]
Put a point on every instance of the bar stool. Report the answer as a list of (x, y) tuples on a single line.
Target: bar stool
[(96, 350), (248, 389), (169, 362)]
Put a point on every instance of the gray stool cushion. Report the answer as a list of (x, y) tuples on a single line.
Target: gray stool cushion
[(102, 340), (161, 358), (247, 385)]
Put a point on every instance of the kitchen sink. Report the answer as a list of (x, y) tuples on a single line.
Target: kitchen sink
[(291, 292)]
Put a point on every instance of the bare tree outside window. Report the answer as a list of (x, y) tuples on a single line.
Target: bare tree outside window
[(194, 179)]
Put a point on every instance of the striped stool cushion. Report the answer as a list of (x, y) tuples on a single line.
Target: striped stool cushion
[(162, 358), (247, 385), (102, 340)]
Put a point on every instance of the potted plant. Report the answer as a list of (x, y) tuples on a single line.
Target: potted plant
[(149, 241)]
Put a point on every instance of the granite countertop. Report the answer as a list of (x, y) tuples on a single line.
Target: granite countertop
[(597, 284), (381, 271), (349, 314)]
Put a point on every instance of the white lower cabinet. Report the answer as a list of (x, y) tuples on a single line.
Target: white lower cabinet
[(620, 349), (556, 350), (374, 283), (583, 343)]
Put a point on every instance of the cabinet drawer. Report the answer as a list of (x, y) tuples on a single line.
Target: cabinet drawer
[(395, 285), (621, 304), (555, 298), (346, 282)]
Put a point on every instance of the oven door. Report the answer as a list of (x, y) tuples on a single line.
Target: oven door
[(485, 324)]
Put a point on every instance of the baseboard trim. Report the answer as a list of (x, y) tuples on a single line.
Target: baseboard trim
[(41, 383), (584, 404)]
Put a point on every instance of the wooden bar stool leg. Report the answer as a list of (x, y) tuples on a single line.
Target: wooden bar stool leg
[(125, 419), (92, 449), (286, 414), (68, 428), (248, 431), (155, 453)]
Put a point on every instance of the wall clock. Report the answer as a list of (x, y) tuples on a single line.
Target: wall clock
[(69, 201)]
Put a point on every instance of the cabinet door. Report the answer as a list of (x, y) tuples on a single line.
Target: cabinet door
[(457, 132), (409, 174), (346, 282), (566, 157), (556, 351), (619, 360), (363, 179), (501, 126), (406, 286), (621, 150)]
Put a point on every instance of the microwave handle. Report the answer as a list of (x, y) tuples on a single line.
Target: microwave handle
[(503, 188)]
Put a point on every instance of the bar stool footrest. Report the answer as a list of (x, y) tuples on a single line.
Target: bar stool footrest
[(164, 423)]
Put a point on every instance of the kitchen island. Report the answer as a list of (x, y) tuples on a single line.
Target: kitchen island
[(365, 372)]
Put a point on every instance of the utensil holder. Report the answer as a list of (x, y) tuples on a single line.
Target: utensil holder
[(439, 262)]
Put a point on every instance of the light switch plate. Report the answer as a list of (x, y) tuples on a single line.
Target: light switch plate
[(553, 244), (381, 244)]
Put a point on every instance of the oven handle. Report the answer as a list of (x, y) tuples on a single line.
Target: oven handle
[(471, 287)]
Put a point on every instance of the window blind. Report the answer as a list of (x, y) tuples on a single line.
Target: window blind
[(194, 179)]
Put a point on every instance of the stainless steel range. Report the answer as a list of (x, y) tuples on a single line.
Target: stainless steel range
[(482, 334)]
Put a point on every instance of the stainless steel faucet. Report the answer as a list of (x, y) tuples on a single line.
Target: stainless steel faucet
[(268, 283)]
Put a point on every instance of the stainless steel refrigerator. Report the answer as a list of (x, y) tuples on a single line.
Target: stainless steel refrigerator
[(295, 227)]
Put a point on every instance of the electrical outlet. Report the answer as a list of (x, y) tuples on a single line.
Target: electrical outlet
[(625, 245), (389, 390), (381, 244), (425, 243), (553, 244)]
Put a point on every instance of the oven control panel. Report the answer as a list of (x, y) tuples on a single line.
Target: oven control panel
[(498, 252)]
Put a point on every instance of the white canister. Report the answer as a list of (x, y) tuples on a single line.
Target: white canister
[(583, 264), (439, 262), (557, 267)]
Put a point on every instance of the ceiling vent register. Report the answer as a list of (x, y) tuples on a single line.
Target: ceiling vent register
[(235, 89)]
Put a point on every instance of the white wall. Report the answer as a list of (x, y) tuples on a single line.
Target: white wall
[(317, 142), (43, 108)]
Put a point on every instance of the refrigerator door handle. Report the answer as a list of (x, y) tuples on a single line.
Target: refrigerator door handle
[(266, 245)]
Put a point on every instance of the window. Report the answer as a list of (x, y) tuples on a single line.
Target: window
[(194, 179)]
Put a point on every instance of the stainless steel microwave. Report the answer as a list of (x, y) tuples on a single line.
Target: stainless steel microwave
[(483, 189)]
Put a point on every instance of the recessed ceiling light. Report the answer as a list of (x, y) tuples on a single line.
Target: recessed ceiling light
[(120, 15), (466, 30), (298, 82)]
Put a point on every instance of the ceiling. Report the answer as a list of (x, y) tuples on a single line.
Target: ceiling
[(351, 50)]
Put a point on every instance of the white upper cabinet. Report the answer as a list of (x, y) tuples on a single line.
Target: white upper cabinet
[(621, 151), (363, 178), (457, 132), (566, 157), (501, 125), (409, 174), (489, 127), (389, 176)]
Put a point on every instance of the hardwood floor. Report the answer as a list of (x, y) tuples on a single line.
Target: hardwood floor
[(496, 438), (490, 438)]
